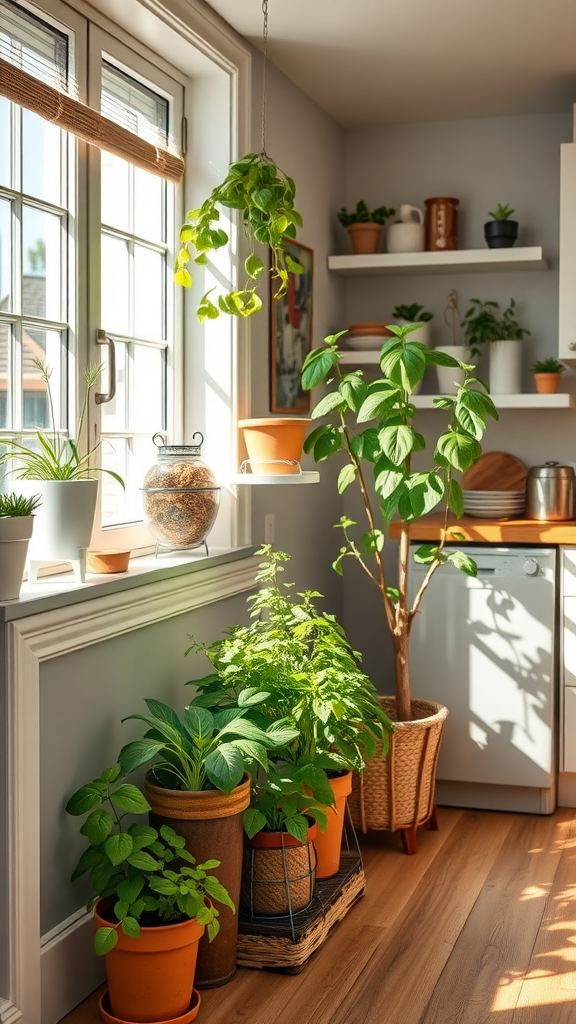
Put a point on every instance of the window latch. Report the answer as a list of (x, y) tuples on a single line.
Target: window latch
[(101, 396)]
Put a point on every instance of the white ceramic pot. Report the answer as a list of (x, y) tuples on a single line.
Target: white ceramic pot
[(15, 533), (505, 375), (405, 237), (449, 378), (64, 523)]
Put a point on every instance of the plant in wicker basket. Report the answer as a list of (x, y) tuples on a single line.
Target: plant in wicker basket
[(373, 429)]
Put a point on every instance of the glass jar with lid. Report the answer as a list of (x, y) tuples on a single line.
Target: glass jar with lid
[(180, 495)]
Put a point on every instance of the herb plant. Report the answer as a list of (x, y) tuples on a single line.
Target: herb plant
[(202, 750), (362, 215), (294, 663), (372, 429), (56, 458), (483, 323), (131, 865), (13, 505), (281, 803), (264, 195), (549, 365), (502, 212), (412, 313)]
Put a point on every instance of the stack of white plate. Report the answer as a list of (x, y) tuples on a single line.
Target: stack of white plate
[(494, 504), (365, 336)]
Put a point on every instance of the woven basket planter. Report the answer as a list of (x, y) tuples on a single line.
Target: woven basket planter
[(397, 791), (278, 874)]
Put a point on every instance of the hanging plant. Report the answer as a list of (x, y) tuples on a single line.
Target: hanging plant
[(264, 195)]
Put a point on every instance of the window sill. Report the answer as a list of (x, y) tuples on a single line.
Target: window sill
[(61, 591)]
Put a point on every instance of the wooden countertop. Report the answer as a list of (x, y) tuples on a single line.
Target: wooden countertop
[(492, 531)]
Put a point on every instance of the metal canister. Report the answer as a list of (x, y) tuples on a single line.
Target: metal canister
[(550, 492)]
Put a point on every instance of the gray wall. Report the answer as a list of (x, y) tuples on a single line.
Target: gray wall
[(482, 162)]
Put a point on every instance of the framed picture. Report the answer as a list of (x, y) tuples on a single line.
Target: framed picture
[(291, 336)]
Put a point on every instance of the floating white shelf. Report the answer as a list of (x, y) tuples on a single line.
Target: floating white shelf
[(557, 401), (455, 261), (253, 479)]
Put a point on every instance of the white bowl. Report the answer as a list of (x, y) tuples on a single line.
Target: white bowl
[(365, 342)]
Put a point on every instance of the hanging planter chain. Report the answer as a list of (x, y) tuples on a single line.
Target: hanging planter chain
[(264, 62)]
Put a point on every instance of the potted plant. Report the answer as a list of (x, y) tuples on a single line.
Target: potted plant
[(16, 523), (449, 378), (364, 225), (414, 314), (199, 785), (65, 482), (151, 903), (294, 663), (501, 232), (281, 825), (274, 443), (372, 429), (547, 375), (484, 323), (264, 195)]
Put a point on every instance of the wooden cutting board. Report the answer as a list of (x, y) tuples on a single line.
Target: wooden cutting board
[(495, 471)]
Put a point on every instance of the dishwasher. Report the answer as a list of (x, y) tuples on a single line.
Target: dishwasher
[(485, 647)]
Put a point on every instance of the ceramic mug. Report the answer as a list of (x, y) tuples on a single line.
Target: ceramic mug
[(405, 237)]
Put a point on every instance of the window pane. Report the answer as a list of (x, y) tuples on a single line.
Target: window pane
[(131, 459), (45, 345), (149, 293), (5, 255), (41, 158), (5, 370), (115, 285), (147, 412), (130, 104), (5, 172), (31, 44), (149, 200), (114, 413), (115, 191), (42, 264)]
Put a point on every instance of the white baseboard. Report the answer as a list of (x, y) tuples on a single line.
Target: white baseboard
[(69, 967)]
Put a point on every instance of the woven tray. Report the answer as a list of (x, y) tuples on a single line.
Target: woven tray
[(286, 946)]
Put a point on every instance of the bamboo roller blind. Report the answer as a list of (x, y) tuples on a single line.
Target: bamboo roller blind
[(87, 124)]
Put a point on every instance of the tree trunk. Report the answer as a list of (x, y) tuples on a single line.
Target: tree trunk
[(403, 709)]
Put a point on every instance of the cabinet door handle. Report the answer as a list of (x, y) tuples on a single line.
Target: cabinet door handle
[(101, 396), (572, 346)]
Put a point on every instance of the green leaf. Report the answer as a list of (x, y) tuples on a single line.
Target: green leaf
[(378, 402), (131, 928), (225, 767), (373, 540), (143, 861), (130, 889), (129, 798), (98, 826), (327, 445), (460, 450), (354, 390), (317, 366), (435, 357), (85, 799), (310, 441), (254, 266), (199, 722), (426, 554), (104, 940), (463, 562), (88, 860), (346, 476), (110, 775), (137, 753), (387, 478), (293, 265), (396, 442), (216, 890), (366, 445), (455, 498), (184, 278), (177, 842), (334, 400), (164, 886), (297, 826), (254, 821), (118, 847)]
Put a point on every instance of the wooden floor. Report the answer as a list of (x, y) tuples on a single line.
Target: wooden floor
[(478, 928)]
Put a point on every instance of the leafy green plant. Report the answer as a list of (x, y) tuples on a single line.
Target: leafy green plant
[(131, 865), (372, 428), (13, 505), (412, 313), (56, 458), (502, 212), (203, 750), (548, 365), (265, 196), (483, 323), (294, 663), (280, 802), (362, 215)]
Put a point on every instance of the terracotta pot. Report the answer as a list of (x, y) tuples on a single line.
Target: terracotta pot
[(329, 843), (364, 237), (441, 223), (547, 383), (211, 823), (396, 791), (151, 978), (109, 1018), (278, 875), (274, 445), (369, 328)]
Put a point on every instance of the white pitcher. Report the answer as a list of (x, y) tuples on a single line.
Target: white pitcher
[(406, 234)]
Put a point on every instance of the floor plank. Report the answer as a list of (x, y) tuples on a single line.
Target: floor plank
[(478, 928)]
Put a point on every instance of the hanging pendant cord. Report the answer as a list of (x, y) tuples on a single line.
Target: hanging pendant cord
[(265, 39)]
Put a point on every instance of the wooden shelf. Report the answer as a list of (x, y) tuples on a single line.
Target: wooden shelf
[(493, 531), (455, 261)]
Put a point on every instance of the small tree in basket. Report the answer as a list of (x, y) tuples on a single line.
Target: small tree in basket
[(373, 429)]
